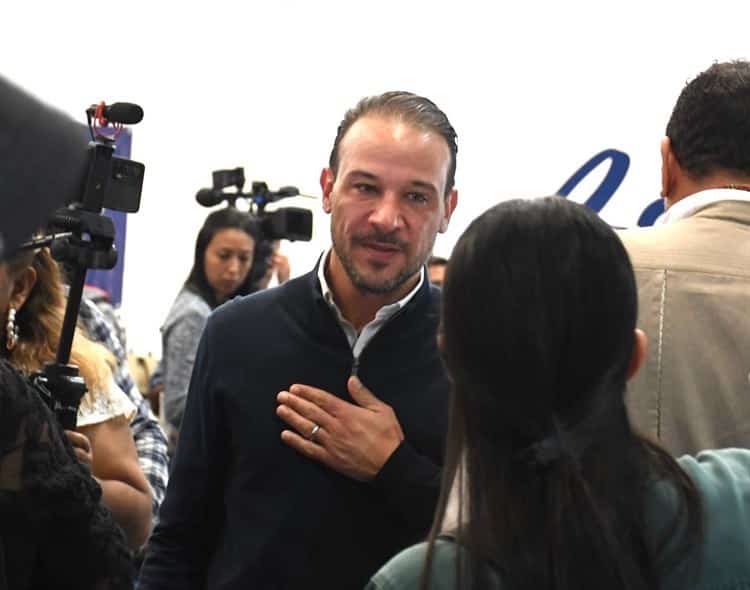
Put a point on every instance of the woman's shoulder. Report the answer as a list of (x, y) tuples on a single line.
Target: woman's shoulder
[(187, 304), (718, 465), (99, 406), (722, 478), (405, 570)]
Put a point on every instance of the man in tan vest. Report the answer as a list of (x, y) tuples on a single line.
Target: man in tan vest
[(693, 272)]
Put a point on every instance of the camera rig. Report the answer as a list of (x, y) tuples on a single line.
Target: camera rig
[(82, 238), (285, 223)]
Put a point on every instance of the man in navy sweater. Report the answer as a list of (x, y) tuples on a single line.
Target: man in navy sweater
[(313, 432)]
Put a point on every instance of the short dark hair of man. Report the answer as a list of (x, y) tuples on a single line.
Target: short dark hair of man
[(410, 108), (710, 125)]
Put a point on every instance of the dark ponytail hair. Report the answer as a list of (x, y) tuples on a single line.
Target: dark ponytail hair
[(539, 313), (228, 218)]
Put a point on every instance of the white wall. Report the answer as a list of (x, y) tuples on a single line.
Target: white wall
[(533, 88)]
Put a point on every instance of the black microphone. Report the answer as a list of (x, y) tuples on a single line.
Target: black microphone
[(126, 113), (209, 197)]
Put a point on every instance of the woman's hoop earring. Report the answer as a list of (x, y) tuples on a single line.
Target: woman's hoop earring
[(11, 336)]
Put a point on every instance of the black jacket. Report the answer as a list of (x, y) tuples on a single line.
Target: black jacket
[(243, 510)]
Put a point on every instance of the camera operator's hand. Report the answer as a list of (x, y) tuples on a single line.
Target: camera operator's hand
[(82, 447), (280, 265)]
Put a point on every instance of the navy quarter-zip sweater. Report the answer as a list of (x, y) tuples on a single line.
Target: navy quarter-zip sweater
[(245, 511)]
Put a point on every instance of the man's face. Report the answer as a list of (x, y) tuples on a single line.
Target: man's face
[(387, 202)]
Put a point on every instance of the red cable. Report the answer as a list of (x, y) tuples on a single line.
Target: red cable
[(100, 123), (99, 113)]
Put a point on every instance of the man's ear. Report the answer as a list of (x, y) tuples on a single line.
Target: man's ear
[(450, 205), (640, 344), (670, 171), (22, 286), (326, 185)]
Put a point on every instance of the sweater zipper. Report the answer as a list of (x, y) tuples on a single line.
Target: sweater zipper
[(355, 361), (355, 367)]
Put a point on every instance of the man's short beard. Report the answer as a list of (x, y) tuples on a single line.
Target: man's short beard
[(383, 288)]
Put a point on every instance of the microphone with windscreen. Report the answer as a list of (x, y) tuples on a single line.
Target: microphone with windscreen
[(208, 197), (125, 113)]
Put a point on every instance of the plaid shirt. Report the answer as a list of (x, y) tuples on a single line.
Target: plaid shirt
[(150, 441)]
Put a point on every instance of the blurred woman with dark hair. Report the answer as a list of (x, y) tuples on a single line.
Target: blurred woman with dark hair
[(552, 489), (221, 270)]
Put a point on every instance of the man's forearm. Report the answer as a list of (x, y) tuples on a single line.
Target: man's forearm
[(411, 484)]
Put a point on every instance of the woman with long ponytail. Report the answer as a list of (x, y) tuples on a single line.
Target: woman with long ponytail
[(546, 486)]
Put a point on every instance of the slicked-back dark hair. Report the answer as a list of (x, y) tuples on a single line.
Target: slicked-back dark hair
[(409, 108), (553, 483), (710, 125), (227, 218)]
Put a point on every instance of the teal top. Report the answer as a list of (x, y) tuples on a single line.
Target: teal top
[(723, 481)]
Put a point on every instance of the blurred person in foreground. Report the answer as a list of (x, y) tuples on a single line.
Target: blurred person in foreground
[(551, 485), (54, 530)]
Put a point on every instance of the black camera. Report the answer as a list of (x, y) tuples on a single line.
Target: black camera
[(285, 223)]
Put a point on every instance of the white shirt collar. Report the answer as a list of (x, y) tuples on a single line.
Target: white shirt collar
[(690, 205), (359, 340)]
